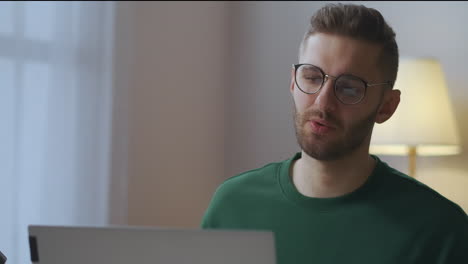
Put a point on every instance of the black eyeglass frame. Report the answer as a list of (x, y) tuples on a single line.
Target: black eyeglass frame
[(327, 76)]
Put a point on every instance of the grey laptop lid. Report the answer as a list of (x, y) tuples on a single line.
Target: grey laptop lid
[(144, 245)]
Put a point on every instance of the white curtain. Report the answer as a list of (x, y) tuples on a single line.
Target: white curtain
[(55, 117)]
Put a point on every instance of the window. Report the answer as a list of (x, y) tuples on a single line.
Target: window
[(55, 117)]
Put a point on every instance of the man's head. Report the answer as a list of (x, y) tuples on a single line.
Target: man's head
[(352, 41), (357, 22)]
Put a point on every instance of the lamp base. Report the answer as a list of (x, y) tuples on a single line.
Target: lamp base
[(412, 161)]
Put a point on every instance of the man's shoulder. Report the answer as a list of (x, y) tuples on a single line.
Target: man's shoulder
[(437, 225), (250, 183), (254, 175), (242, 193), (424, 200)]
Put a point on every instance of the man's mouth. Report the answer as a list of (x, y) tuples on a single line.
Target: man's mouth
[(321, 127)]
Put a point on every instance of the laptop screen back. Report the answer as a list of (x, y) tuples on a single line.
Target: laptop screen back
[(143, 245)]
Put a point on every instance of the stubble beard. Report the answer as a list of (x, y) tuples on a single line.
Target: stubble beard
[(320, 147)]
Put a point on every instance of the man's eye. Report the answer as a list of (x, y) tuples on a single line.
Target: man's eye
[(349, 91), (314, 80)]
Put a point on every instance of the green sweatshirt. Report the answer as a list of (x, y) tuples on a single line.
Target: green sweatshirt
[(391, 218)]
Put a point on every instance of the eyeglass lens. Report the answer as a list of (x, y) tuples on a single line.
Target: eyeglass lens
[(348, 89)]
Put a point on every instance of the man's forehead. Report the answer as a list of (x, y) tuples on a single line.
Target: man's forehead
[(340, 54)]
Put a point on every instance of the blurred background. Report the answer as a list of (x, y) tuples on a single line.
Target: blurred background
[(132, 113)]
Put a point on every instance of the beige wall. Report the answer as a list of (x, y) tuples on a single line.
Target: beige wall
[(175, 100), (202, 95)]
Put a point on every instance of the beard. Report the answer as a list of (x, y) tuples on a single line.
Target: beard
[(325, 148)]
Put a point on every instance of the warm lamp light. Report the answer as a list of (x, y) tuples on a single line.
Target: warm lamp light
[(423, 123)]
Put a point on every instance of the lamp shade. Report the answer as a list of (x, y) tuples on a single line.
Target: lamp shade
[(424, 119)]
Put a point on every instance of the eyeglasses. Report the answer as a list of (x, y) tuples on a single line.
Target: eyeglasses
[(349, 89)]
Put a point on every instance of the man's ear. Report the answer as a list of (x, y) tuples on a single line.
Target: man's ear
[(291, 86), (388, 107)]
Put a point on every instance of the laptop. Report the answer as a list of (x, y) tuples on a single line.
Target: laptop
[(148, 245), (2, 258)]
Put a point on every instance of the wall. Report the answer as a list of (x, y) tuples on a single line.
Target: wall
[(175, 98), (265, 38), (204, 95)]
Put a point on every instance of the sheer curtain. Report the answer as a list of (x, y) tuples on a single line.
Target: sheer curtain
[(55, 117)]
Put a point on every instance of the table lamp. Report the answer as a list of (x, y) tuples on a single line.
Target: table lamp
[(423, 124)]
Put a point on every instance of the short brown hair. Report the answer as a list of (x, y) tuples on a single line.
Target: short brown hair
[(359, 22)]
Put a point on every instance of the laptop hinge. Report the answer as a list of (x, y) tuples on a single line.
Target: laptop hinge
[(33, 249)]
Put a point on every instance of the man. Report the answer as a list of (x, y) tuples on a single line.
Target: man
[(333, 202)]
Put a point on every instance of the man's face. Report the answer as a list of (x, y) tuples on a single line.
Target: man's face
[(326, 129)]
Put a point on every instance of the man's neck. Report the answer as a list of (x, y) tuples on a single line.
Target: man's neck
[(325, 179)]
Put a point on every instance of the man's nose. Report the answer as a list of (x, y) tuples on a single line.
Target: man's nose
[(326, 99)]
